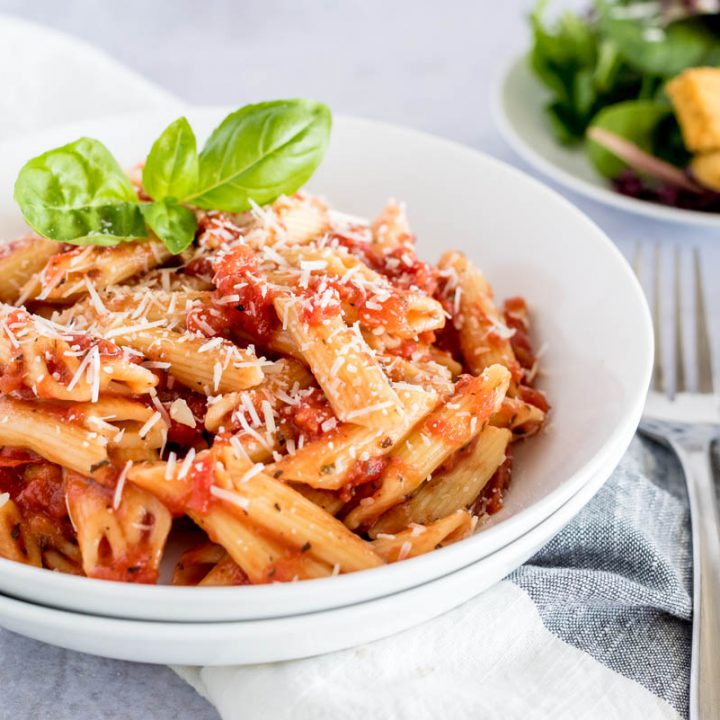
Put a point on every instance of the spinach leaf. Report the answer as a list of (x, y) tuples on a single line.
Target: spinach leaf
[(174, 224), (636, 121), (261, 152), (656, 49), (78, 193), (171, 168)]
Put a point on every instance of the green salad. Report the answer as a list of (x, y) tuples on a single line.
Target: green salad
[(637, 84)]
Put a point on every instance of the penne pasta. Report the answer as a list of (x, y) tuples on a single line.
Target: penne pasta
[(484, 337), (58, 364), (344, 367), (297, 521), (48, 433), (65, 277), (328, 463), (444, 431), (451, 490), (20, 260), (16, 541), (285, 396), (420, 539), (120, 537), (519, 416), (209, 366)]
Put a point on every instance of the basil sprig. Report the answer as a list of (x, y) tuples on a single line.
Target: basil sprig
[(79, 194), (260, 152), (171, 168)]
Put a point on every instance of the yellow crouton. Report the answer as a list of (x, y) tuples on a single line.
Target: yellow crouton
[(706, 170), (695, 95)]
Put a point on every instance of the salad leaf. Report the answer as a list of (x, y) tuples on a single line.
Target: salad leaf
[(583, 70), (261, 152), (78, 193), (675, 9), (655, 48), (171, 168), (634, 120), (174, 224)]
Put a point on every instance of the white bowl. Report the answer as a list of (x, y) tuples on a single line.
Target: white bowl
[(588, 310), (518, 109), (286, 638)]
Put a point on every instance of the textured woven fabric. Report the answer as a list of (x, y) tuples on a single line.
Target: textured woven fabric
[(616, 582)]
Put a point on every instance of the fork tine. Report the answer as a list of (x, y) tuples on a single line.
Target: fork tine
[(667, 319), (646, 269), (688, 318), (709, 331)]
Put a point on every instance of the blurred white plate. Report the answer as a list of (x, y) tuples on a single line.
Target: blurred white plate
[(287, 638), (588, 311), (518, 109)]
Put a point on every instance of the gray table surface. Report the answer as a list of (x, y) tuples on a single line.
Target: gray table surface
[(423, 63)]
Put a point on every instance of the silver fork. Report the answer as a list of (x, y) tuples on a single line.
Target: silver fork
[(683, 413)]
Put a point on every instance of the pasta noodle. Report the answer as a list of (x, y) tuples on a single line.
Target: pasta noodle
[(296, 395)]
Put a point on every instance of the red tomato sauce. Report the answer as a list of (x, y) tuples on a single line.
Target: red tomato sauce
[(364, 473), (308, 416), (178, 433), (285, 569), (455, 428), (236, 273), (534, 397), (491, 498), (202, 474), (43, 491), (516, 318), (400, 265), (323, 296)]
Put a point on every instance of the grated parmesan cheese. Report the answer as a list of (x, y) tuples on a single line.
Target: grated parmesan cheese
[(251, 473), (117, 496), (181, 413), (230, 497), (145, 429), (170, 466), (186, 464)]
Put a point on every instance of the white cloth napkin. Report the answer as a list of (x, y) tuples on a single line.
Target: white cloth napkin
[(491, 658), (49, 78)]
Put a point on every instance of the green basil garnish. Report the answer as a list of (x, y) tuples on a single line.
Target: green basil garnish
[(171, 168), (79, 194), (174, 224), (260, 152)]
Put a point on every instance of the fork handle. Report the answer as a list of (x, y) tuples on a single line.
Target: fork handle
[(705, 674)]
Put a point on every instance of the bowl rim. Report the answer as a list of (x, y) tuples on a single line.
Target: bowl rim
[(351, 583)]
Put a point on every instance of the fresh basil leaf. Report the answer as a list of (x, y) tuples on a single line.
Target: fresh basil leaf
[(261, 152), (171, 168), (636, 121), (78, 193), (174, 224)]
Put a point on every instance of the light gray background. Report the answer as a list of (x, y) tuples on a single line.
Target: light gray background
[(430, 64)]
